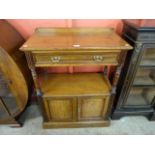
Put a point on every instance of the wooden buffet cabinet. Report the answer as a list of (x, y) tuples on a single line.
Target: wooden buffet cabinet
[(78, 99)]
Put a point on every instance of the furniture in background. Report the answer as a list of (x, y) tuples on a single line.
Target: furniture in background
[(136, 91), (15, 76), (78, 99)]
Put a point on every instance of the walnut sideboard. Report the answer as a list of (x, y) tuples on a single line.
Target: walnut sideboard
[(78, 99)]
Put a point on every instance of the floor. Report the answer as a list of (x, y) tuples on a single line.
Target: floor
[(126, 126)]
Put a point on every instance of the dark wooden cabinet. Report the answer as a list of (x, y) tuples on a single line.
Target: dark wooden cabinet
[(136, 92), (15, 77)]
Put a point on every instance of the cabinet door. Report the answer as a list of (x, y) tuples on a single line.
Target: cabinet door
[(3, 112), (141, 92), (7, 96), (11, 104), (4, 89), (60, 109), (92, 108)]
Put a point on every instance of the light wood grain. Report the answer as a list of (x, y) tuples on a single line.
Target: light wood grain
[(78, 124), (61, 109), (73, 58), (81, 99), (64, 38), (92, 108), (78, 84)]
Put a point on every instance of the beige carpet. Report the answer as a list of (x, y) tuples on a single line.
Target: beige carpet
[(126, 125)]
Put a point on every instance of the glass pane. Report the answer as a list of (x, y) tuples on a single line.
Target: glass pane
[(148, 58), (11, 104), (144, 77), (4, 89), (3, 112), (6, 96), (140, 97)]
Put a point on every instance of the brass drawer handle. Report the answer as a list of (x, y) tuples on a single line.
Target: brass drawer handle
[(98, 58), (55, 59)]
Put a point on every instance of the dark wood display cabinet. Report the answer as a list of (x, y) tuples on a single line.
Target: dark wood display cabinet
[(136, 94)]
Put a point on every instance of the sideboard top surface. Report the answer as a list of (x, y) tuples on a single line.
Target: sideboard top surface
[(74, 39)]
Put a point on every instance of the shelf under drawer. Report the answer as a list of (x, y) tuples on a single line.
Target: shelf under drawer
[(78, 84)]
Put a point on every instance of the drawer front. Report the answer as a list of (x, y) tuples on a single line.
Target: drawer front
[(60, 109), (48, 59), (92, 108)]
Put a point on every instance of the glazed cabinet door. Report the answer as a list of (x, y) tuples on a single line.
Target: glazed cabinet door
[(140, 97), (4, 89), (11, 104), (60, 109), (7, 96), (3, 111), (142, 88), (92, 108)]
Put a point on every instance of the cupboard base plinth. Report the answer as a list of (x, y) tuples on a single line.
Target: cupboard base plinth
[(50, 125)]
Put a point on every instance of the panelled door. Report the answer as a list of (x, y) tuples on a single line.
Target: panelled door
[(60, 109), (92, 108), (3, 111)]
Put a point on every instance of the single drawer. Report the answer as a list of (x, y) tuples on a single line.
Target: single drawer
[(47, 59)]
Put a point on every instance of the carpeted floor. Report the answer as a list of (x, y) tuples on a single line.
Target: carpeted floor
[(33, 126)]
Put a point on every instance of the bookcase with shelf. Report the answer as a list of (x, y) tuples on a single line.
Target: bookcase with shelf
[(77, 99)]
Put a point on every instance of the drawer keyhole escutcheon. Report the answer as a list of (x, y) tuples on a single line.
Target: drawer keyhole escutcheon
[(98, 58), (55, 59)]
